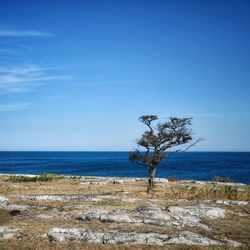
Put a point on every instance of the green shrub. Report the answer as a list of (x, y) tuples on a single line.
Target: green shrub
[(23, 178), (221, 179), (172, 179), (231, 191)]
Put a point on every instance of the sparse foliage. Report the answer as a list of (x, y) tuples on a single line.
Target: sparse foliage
[(155, 142), (221, 179), (172, 179)]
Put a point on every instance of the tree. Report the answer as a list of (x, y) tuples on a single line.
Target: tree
[(157, 140)]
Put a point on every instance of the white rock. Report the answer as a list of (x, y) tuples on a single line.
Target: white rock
[(44, 216), (107, 182), (93, 214), (104, 216), (149, 211), (3, 200), (190, 238), (176, 216), (45, 197), (62, 198), (119, 218), (215, 213), (130, 200), (122, 181), (163, 180), (6, 204), (196, 213), (94, 199), (40, 207), (17, 207), (8, 233), (66, 234), (231, 202), (114, 237)]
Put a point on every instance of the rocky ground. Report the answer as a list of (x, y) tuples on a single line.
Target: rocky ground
[(114, 213)]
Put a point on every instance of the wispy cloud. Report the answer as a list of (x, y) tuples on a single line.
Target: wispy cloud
[(14, 106), (25, 78), (24, 33), (21, 69)]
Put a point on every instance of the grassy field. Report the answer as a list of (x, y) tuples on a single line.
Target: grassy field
[(45, 214)]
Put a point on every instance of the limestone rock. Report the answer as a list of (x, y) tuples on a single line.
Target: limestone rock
[(4, 201), (18, 207), (197, 212), (190, 238), (66, 234), (104, 216), (93, 214), (149, 211), (8, 233), (231, 202), (176, 216), (6, 204), (107, 182), (130, 200), (114, 237), (62, 198)]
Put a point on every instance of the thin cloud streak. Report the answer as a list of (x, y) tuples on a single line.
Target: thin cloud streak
[(9, 79), (21, 70), (24, 33), (25, 78), (14, 106)]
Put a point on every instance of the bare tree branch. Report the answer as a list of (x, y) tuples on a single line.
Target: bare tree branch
[(147, 120), (181, 151)]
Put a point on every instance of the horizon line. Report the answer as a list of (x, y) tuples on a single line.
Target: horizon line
[(100, 151)]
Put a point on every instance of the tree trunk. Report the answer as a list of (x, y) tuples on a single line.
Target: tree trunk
[(152, 171)]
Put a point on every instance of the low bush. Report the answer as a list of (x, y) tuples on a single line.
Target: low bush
[(23, 178), (172, 179), (221, 179)]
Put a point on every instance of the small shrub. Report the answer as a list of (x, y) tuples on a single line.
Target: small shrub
[(172, 179), (221, 179), (230, 191), (23, 178)]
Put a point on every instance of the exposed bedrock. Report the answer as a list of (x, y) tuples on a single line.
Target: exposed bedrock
[(114, 237), (174, 216), (8, 233), (6, 204)]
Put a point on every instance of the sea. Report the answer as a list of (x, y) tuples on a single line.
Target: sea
[(186, 165)]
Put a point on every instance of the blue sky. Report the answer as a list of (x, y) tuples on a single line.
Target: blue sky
[(76, 75)]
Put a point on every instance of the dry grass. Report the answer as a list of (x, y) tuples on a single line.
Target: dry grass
[(234, 227)]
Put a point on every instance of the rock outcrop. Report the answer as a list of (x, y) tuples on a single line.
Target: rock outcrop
[(8, 233), (6, 204), (114, 237), (107, 182), (174, 216)]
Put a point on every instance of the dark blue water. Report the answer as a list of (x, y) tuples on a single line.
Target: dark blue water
[(188, 165)]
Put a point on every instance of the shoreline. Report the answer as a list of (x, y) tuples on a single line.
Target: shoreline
[(161, 180)]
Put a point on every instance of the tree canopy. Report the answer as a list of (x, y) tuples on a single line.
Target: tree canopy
[(158, 139)]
